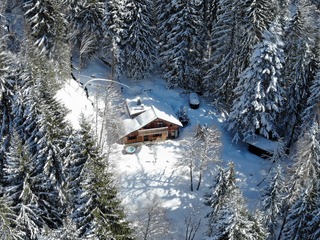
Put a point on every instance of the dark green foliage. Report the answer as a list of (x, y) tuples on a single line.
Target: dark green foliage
[(140, 48), (85, 19), (272, 201), (297, 74), (7, 221), (41, 17), (300, 214), (7, 83), (97, 208), (229, 217), (180, 58), (260, 91)]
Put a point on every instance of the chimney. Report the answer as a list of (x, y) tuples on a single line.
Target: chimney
[(138, 101)]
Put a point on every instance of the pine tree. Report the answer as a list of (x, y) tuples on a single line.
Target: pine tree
[(229, 218), (303, 184), (223, 65), (299, 215), (260, 93), (41, 18), (7, 221), (299, 55), (272, 201), (98, 211), (140, 48), (7, 82), (180, 56), (85, 20)]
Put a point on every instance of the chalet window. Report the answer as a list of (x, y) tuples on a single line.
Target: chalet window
[(160, 124), (132, 137), (157, 135)]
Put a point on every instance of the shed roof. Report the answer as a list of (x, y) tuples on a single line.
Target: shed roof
[(263, 143)]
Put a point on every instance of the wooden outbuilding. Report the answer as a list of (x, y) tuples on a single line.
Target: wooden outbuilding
[(261, 146), (148, 120)]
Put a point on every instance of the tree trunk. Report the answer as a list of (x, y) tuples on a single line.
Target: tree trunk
[(191, 178), (200, 178), (147, 227)]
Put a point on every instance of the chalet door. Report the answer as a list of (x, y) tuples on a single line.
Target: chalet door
[(145, 138)]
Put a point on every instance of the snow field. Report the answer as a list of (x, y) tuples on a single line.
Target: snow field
[(158, 169)]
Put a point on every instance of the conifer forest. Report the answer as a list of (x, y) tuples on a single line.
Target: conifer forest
[(257, 61)]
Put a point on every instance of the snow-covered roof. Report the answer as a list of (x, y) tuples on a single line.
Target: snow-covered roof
[(150, 111), (263, 143), (137, 105)]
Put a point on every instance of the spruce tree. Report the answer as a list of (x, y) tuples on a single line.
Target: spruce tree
[(85, 24), (313, 103), (223, 64), (179, 53), (7, 82), (302, 183), (272, 201), (230, 218), (116, 25), (300, 214), (8, 221), (98, 211), (41, 19), (297, 74), (314, 222), (140, 48), (19, 186), (260, 93), (217, 196)]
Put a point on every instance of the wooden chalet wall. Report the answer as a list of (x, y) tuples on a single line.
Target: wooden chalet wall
[(156, 130)]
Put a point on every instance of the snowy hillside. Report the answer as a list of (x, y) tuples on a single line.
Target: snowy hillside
[(156, 174)]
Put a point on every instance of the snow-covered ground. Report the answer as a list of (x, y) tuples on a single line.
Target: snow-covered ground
[(158, 169)]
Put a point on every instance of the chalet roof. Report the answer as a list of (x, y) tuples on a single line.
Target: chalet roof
[(150, 111)]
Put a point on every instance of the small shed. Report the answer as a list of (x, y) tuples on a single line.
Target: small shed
[(261, 146), (148, 120)]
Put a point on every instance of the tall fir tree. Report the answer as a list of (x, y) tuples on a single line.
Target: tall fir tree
[(98, 211), (7, 83), (141, 48), (260, 93), (311, 112), (223, 64), (314, 222), (297, 74), (19, 185), (302, 182), (85, 24), (41, 18), (230, 218), (222, 184), (180, 56), (272, 201), (116, 23), (300, 214), (8, 221)]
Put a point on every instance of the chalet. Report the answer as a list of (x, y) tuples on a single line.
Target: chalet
[(148, 120)]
